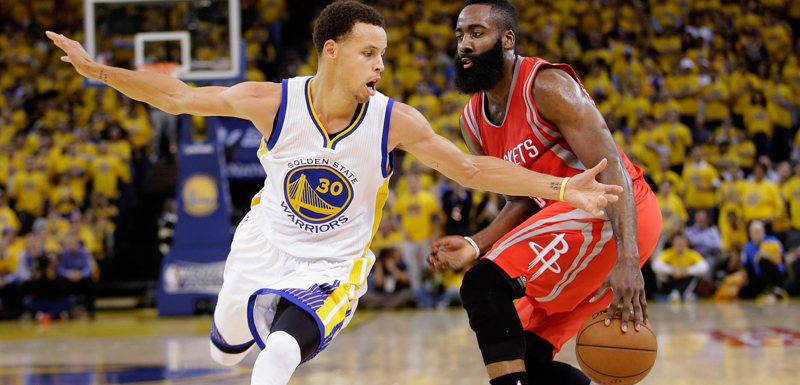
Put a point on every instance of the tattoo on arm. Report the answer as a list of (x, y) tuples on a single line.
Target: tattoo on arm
[(555, 185), (435, 164), (103, 77)]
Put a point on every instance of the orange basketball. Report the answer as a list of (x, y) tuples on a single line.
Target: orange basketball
[(610, 357)]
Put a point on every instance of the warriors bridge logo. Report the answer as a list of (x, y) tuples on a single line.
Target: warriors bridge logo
[(316, 196)]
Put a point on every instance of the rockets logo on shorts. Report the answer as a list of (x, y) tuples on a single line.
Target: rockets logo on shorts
[(317, 194), (557, 246)]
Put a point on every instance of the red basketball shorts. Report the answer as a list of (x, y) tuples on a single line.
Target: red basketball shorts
[(565, 254)]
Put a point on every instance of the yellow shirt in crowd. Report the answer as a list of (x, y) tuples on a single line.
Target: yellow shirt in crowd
[(8, 219), (702, 174), (761, 200), (671, 206), (30, 190), (678, 139), (791, 193), (106, 171), (689, 258), (416, 214)]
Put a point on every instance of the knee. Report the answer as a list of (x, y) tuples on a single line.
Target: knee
[(484, 282), (283, 348), (223, 358)]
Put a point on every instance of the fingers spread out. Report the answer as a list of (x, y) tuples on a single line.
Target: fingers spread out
[(626, 313), (612, 309), (643, 302), (637, 313)]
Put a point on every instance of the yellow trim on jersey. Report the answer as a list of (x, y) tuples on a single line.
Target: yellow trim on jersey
[(328, 141), (358, 275), (256, 199), (334, 309), (262, 149)]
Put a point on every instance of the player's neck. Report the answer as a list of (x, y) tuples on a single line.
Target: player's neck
[(498, 96), (329, 101)]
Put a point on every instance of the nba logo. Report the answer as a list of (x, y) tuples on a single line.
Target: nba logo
[(519, 382)]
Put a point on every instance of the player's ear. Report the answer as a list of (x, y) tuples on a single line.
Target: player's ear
[(330, 50), (509, 39)]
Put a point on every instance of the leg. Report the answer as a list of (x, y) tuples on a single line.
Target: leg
[(85, 287), (488, 296), (293, 339), (543, 370)]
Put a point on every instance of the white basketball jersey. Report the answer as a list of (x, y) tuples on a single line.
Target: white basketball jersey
[(323, 196)]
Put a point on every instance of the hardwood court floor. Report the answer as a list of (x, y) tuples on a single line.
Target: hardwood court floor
[(706, 343)]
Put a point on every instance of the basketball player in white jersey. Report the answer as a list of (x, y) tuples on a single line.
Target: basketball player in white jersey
[(299, 260)]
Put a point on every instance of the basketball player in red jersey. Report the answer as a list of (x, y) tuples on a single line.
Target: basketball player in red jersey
[(561, 262)]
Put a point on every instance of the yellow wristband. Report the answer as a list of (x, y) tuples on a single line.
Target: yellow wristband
[(563, 188)]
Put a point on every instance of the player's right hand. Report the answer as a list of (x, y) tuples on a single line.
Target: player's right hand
[(75, 53), (450, 253)]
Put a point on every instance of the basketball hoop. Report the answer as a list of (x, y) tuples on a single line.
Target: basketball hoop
[(170, 68)]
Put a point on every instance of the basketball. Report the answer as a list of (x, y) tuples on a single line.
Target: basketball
[(610, 357)]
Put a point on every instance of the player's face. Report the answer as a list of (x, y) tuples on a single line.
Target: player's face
[(360, 64), (479, 64)]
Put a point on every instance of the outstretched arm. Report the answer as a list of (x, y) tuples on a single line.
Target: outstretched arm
[(560, 101), (453, 252), (411, 132), (249, 100)]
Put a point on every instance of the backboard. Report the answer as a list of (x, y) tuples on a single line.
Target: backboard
[(192, 40)]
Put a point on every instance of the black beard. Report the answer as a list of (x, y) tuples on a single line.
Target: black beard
[(485, 73)]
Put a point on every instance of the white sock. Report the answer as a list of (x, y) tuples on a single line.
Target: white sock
[(276, 363)]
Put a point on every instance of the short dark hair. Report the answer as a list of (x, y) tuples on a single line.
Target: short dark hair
[(337, 19), (504, 10)]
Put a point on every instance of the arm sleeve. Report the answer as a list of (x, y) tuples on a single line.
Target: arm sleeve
[(23, 272), (699, 268), (662, 268), (86, 271), (61, 270), (124, 172)]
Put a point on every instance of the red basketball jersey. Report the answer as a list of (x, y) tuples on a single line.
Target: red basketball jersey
[(524, 137)]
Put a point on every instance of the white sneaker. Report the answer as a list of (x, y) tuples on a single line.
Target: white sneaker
[(690, 297), (675, 297)]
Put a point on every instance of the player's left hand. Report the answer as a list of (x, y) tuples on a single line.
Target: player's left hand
[(584, 192), (627, 283)]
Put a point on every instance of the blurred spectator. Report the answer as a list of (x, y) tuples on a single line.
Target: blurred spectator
[(166, 226), (163, 124), (457, 206), (681, 268), (29, 188), (761, 199), (488, 209), (791, 195), (672, 208), (107, 170), (48, 292), (389, 284), (704, 239), (762, 258), (10, 283), (701, 180), (418, 211), (75, 264), (8, 218)]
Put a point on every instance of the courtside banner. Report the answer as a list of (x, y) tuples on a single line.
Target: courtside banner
[(191, 273), (241, 141)]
